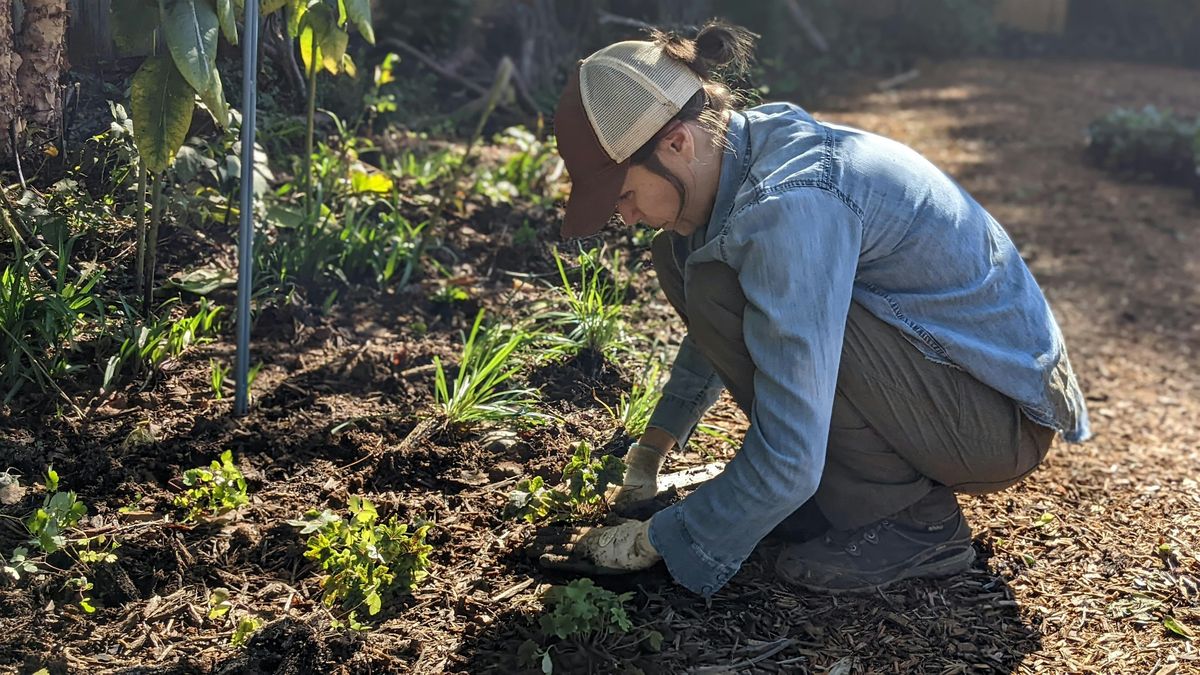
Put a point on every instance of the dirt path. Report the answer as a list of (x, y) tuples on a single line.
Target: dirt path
[(1083, 589), (1118, 262)]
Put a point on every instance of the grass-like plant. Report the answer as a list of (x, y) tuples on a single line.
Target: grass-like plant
[(366, 561), (634, 409), (39, 322), (590, 313), (479, 393)]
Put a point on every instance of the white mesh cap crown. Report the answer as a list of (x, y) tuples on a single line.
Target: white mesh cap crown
[(630, 90)]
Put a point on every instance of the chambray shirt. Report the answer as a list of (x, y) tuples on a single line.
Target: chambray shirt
[(811, 215)]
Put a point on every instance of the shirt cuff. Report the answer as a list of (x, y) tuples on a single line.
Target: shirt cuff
[(690, 565)]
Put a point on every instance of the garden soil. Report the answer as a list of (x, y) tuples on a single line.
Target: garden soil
[(1084, 567)]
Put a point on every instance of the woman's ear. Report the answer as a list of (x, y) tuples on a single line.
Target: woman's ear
[(680, 141)]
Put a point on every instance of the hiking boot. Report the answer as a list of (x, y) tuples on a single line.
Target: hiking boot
[(805, 524), (920, 541)]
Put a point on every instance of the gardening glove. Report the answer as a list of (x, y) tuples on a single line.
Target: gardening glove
[(615, 549), (642, 464)]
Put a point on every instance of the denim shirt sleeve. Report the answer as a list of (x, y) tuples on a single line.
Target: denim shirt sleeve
[(691, 390), (796, 254)]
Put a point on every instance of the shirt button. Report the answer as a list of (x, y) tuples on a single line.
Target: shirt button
[(707, 589)]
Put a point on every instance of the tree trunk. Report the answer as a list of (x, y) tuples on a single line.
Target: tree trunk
[(42, 42), (32, 60), (10, 61)]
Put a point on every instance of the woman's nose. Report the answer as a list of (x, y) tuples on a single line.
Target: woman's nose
[(629, 213)]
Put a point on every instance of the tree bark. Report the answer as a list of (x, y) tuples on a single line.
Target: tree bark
[(10, 61), (42, 43)]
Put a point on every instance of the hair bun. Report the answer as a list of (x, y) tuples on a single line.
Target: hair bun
[(717, 47)]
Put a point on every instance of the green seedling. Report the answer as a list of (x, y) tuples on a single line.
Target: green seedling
[(366, 562), (581, 610), (590, 317), (215, 490), (48, 527), (634, 409), (478, 393), (220, 606), (587, 480)]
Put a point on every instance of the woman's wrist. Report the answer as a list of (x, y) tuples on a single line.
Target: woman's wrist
[(657, 440)]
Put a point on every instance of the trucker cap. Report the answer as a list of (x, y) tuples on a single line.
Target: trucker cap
[(615, 101)]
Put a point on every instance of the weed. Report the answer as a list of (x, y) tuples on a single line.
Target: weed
[(477, 394), (148, 343), (216, 490), (217, 376), (587, 480), (531, 172), (366, 562)]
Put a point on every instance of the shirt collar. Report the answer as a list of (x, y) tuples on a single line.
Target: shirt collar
[(735, 164)]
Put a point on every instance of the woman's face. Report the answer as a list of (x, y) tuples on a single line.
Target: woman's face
[(667, 196)]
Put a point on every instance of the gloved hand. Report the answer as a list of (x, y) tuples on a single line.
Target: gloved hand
[(642, 464), (615, 549)]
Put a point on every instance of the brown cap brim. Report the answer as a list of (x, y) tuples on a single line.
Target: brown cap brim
[(596, 179), (593, 201)]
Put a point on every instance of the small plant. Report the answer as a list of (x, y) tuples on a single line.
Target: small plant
[(217, 376), (591, 315), (450, 294), (530, 172), (477, 394), (48, 527), (215, 490), (587, 480), (633, 410), (220, 606), (366, 562), (583, 609)]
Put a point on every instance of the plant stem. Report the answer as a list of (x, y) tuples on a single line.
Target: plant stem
[(141, 226), (312, 110), (152, 244)]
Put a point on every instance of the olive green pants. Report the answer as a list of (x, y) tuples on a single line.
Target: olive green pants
[(901, 426)]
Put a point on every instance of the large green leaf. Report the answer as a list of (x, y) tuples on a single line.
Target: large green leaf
[(133, 25), (161, 103), (228, 20), (358, 12), (321, 39), (190, 28), (296, 11)]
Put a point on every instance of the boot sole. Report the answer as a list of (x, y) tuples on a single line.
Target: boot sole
[(929, 569)]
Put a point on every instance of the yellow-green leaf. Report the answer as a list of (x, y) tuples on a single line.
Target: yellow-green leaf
[(358, 12), (1178, 628), (190, 28), (161, 104), (321, 41), (362, 181), (269, 6), (228, 20)]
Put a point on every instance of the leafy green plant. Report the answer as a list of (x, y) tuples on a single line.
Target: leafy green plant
[(40, 321), (215, 490), (587, 479), (583, 609), (634, 409), (590, 317), (530, 172), (366, 561), (151, 341), (49, 527), (478, 393)]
